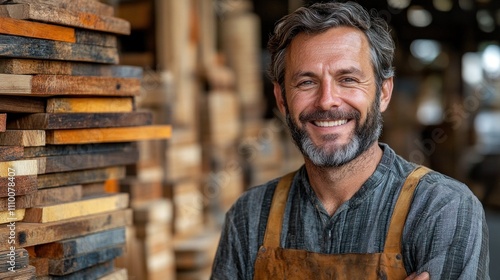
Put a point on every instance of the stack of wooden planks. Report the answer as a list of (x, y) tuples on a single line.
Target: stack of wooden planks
[(68, 126)]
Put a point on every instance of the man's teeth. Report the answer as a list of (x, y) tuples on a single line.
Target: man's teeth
[(330, 123)]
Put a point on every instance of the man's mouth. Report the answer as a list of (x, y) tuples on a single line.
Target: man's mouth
[(330, 123)]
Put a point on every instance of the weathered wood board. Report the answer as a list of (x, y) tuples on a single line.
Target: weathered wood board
[(31, 29), (15, 104), (8, 153), (61, 150), (22, 66), (96, 38), (48, 121), (24, 138), (3, 122), (50, 85), (18, 168), (30, 234), (81, 245), (90, 105), (104, 135), (45, 197), (87, 6), (94, 272), (12, 216), (26, 273), (24, 185), (21, 259), (22, 47), (54, 15), (80, 177), (94, 189), (41, 265)]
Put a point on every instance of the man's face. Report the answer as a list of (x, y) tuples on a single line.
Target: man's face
[(331, 104)]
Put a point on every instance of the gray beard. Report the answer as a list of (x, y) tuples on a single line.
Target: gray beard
[(364, 136)]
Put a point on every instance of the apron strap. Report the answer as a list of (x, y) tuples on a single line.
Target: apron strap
[(275, 221), (400, 212)]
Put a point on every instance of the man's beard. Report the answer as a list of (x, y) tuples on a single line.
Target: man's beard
[(364, 136)]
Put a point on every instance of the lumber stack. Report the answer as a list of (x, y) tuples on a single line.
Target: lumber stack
[(69, 128)]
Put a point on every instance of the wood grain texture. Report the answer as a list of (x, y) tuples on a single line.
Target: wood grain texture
[(22, 47), (103, 135), (94, 272), (80, 208), (45, 197), (16, 104), (51, 14), (12, 216), (96, 38), (24, 185), (90, 105), (52, 67), (78, 120), (41, 265), (31, 29), (87, 6), (18, 168), (47, 151), (26, 273), (30, 234), (73, 264), (3, 122), (80, 177), (81, 245), (24, 138), (9, 153), (22, 259)]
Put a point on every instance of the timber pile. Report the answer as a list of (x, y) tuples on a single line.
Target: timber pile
[(68, 128)]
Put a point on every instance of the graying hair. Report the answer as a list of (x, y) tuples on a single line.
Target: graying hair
[(319, 18)]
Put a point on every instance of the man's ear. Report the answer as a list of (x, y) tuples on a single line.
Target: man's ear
[(280, 102), (386, 94)]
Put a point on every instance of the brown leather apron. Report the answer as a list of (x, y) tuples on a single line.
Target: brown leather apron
[(274, 262)]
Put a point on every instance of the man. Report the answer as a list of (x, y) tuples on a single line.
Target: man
[(355, 210)]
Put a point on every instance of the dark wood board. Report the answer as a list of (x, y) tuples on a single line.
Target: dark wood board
[(21, 259), (15, 104), (94, 272), (87, 6), (9, 153), (80, 177), (3, 122), (48, 121), (81, 245), (30, 234), (89, 37), (41, 265), (38, 30), (24, 185), (58, 150), (27, 273), (24, 138), (21, 47), (60, 16), (45, 197), (22, 66), (70, 265)]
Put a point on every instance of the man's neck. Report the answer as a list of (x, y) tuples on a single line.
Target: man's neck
[(336, 185)]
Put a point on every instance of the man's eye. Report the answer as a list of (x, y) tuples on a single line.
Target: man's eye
[(305, 83), (348, 80)]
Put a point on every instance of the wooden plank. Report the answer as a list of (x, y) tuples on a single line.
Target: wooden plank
[(21, 259), (24, 185), (12, 216), (18, 168), (90, 105), (41, 265), (31, 29), (93, 272), (24, 138), (79, 177), (3, 122), (118, 274), (49, 85), (89, 37), (65, 163), (22, 47), (50, 150), (94, 189), (45, 197), (8, 153), (141, 191), (30, 234), (49, 121), (87, 6), (52, 67), (16, 104), (60, 16), (104, 135), (27, 273), (81, 245)]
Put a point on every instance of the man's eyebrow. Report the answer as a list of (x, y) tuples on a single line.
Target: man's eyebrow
[(300, 74), (350, 70)]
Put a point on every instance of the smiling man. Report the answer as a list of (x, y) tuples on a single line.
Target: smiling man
[(355, 210)]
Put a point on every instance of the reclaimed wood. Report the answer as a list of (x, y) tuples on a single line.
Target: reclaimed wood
[(3, 122), (80, 177), (53, 67), (87, 6), (12, 216), (51, 150), (49, 85), (104, 135), (25, 138), (89, 37), (26, 273), (81, 245), (45, 197), (31, 29), (90, 105), (51, 14), (94, 272), (65, 163), (18, 168), (30, 234), (22, 47), (49, 121), (22, 259), (24, 185), (93, 189), (8, 153), (16, 104), (41, 265)]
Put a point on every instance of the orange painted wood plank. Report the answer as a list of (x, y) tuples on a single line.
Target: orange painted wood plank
[(31, 29)]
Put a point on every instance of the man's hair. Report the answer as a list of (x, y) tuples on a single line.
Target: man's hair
[(320, 17)]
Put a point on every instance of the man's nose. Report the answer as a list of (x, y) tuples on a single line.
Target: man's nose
[(328, 96)]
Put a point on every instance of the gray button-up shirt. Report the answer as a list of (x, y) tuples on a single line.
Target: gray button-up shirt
[(445, 232)]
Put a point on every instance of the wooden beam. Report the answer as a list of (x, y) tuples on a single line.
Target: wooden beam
[(78, 120), (45, 197), (21, 257), (14, 104), (80, 177), (12, 216), (26, 273), (25, 138), (47, 151), (96, 38), (9, 153), (22, 66), (87, 6), (103, 135), (90, 105), (77, 263), (24, 185), (22, 47), (30, 234), (18, 168), (31, 29), (60, 16)]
